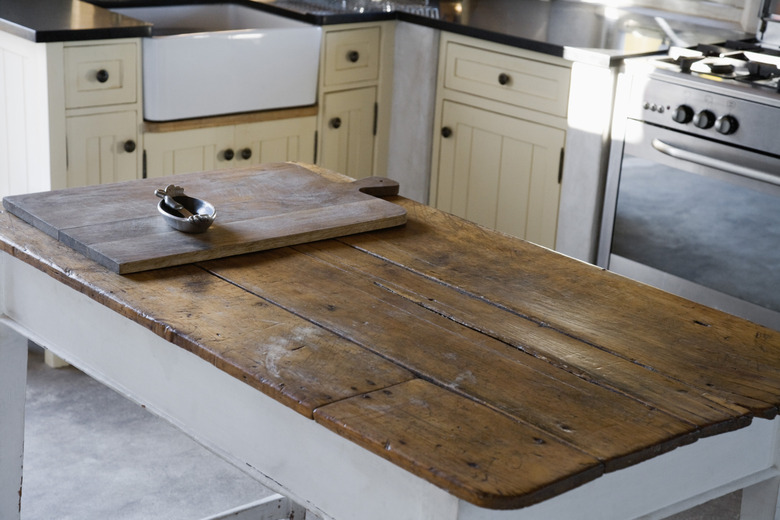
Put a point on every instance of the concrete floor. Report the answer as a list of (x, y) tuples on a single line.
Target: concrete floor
[(90, 454)]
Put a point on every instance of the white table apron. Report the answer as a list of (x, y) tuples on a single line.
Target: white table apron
[(295, 456)]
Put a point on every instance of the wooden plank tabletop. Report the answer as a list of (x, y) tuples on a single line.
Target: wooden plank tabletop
[(500, 371)]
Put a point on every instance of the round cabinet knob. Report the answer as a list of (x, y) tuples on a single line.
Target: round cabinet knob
[(102, 75), (504, 78), (726, 125), (129, 146), (683, 114), (353, 56), (335, 122), (246, 153), (704, 119), (446, 132), (229, 154)]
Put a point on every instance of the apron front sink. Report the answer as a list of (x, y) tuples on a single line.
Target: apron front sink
[(212, 59)]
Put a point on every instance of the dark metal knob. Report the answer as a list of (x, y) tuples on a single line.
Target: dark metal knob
[(353, 56), (504, 78), (246, 153), (446, 132), (335, 122), (102, 75), (683, 114), (726, 125), (228, 154), (704, 119), (129, 146)]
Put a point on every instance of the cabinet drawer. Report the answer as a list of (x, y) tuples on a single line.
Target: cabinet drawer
[(510, 79), (100, 74), (352, 55)]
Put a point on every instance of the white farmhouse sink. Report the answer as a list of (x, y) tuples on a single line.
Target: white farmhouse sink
[(212, 59)]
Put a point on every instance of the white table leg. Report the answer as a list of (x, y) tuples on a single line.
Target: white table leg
[(13, 382), (759, 501), (53, 361)]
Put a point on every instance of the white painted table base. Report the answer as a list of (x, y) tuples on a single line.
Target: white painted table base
[(316, 468)]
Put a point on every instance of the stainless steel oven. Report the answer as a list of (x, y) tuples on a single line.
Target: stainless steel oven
[(692, 201)]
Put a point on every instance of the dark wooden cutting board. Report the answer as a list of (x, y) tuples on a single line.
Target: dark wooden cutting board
[(265, 207)]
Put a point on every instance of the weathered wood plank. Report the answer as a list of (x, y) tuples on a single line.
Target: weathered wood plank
[(735, 362), (565, 352), (282, 355), (614, 428), (489, 460), (258, 208), (229, 119)]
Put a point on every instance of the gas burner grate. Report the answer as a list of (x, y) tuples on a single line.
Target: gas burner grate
[(762, 70)]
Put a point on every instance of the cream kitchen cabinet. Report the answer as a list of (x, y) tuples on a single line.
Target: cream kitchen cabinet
[(348, 134), (500, 171), (102, 148), (102, 111), (355, 90), (214, 144), (500, 131), (70, 113)]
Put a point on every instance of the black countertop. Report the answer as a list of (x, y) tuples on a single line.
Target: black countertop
[(65, 20), (570, 29)]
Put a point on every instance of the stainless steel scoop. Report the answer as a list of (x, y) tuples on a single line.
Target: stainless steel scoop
[(184, 213)]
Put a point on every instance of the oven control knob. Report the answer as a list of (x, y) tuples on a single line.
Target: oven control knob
[(683, 114), (726, 125), (704, 119)]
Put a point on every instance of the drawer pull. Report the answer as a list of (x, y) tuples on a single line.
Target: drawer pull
[(102, 76), (229, 154), (353, 56), (446, 132), (129, 146), (335, 122), (504, 78), (246, 153)]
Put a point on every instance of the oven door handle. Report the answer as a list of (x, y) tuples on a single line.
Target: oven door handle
[(718, 164)]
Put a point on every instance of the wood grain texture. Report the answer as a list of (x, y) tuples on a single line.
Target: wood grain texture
[(230, 119), (268, 348), (501, 372), (618, 430), (561, 350), (425, 432), (730, 360), (258, 208)]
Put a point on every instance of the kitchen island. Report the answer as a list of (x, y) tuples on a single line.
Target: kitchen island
[(436, 370)]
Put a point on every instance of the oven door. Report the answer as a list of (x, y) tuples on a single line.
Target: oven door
[(696, 218)]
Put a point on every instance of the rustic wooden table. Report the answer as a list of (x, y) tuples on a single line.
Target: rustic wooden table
[(432, 371)]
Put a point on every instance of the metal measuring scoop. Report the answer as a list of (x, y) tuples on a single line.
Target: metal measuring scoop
[(184, 213)]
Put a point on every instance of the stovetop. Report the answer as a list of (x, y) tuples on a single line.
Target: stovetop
[(744, 62), (726, 93), (744, 70)]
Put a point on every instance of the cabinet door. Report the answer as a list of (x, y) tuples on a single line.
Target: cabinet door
[(102, 148), (500, 172), (348, 132), (275, 141), (185, 151)]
